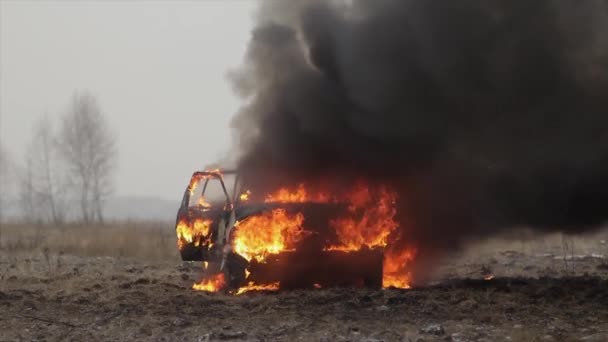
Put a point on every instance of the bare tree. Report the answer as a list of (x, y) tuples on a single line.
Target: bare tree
[(4, 181), (43, 183), (6, 186), (28, 200), (88, 148), (13, 179)]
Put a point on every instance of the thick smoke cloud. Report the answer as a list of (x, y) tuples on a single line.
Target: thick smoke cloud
[(484, 114)]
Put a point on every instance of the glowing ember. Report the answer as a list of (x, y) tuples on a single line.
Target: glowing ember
[(488, 277), (269, 233), (395, 272), (245, 196), (253, 287), (198, 232), (212, 284)]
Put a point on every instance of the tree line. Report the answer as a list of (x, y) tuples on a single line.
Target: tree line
[(69, 165)]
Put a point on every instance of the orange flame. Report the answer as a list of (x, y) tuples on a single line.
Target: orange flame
[(395, 272), (269, 233), (203, 203), (198, 232), (193, 184), (196, 179), (375, 225), (369, 223), (212, 284), (253, 287), (299, 195)]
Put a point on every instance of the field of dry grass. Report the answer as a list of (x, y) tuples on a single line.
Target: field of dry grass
[(126, 282), (142, 240)]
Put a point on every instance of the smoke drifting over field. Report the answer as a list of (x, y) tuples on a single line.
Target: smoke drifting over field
[(482, 114)]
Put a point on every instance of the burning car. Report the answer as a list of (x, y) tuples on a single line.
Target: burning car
[(289, 239)]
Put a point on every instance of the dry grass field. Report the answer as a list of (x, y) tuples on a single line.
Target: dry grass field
[(143, 240), (126, 282)]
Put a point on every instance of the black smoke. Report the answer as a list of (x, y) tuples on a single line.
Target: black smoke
[(484, 114)]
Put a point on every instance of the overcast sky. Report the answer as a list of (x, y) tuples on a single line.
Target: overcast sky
[(158, 69)]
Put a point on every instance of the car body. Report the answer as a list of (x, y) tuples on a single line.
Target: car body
[(205, 231)]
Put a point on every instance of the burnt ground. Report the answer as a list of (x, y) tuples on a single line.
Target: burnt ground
[(540, 293)]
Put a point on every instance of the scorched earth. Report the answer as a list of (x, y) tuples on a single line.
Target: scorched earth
[(546, 289)]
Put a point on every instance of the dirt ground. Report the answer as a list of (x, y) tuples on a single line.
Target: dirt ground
[(545, 289)]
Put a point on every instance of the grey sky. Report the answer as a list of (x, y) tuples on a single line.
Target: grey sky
[(158, 69)]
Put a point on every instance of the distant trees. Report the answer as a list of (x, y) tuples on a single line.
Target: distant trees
[(6, 181), (73, 165), (27, 196), (43, 194), (89, 151)]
